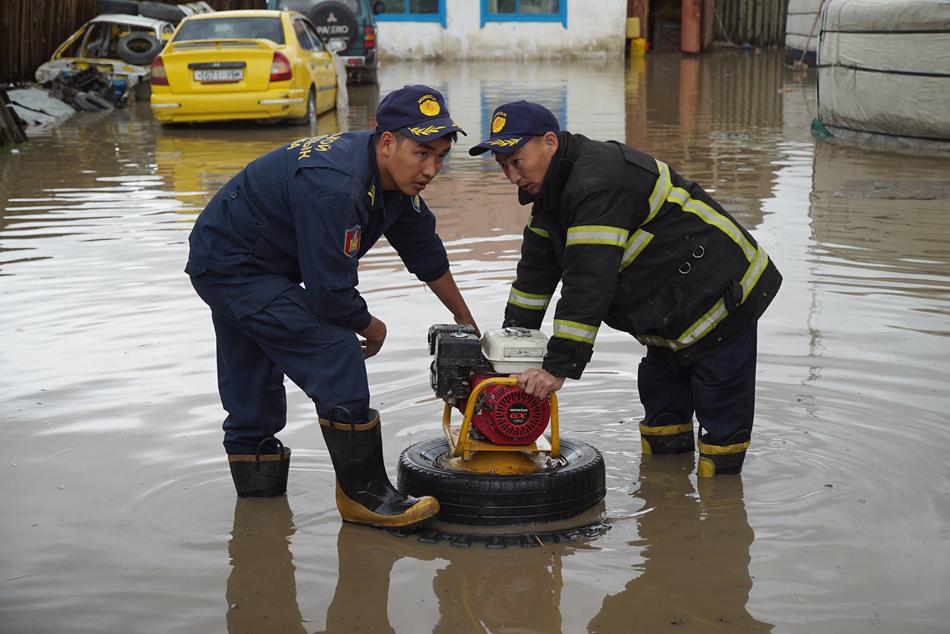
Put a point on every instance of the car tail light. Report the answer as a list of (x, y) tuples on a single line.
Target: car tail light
[(280, 69), (159, 78), (369, 36)]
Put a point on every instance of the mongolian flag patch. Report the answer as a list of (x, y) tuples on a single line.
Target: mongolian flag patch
[(351, 241)]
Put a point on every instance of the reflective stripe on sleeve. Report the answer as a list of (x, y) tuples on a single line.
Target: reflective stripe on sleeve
[(575, 331), (637, 243), (597, 234), (531, 301)]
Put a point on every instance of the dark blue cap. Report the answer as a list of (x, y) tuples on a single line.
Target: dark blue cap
[(514, 124), (418, 111)]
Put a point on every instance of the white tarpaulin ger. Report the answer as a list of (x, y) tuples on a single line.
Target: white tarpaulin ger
[(884, 69)]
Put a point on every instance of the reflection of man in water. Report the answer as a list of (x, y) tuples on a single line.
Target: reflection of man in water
[(636, 246), (478, 590), (695, 576), (262, 593), (275, 255)]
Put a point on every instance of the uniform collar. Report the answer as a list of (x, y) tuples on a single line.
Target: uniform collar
[(374, 191), (556, 177)]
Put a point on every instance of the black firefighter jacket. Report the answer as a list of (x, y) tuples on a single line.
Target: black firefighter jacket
[(639, 248)]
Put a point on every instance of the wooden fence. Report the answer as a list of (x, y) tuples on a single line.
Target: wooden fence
[(30, 30), (758, 22)]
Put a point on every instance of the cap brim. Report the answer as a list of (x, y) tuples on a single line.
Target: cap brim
[(500, 145), (431, 129)]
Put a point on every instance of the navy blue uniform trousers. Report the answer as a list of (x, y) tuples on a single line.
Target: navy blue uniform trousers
[(719, 388), (256, 350)]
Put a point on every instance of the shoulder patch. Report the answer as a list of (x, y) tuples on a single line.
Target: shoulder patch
[(417, 203), (351, 241)]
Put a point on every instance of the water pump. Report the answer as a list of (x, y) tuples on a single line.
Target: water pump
[(503, 414)]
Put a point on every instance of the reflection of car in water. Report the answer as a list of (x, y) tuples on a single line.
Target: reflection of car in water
[(244, 65), (103, 44), (353, 21), (196, 163)]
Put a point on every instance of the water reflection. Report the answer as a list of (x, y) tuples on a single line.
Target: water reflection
[(261, 589), (696, 570), (478, 590)]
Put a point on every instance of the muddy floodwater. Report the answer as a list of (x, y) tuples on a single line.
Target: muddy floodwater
[(118, 513)]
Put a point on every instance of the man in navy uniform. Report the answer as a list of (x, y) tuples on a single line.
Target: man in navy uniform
[(305, 214), (636, 246)]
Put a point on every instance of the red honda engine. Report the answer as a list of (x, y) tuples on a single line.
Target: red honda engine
[(503, 414), (507, 415)]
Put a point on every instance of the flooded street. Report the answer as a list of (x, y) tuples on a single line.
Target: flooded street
[(119, 514)]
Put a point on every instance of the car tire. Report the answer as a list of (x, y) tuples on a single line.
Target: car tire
[(310, 118), (490, 500), (365, 76), (344, 17), (138, 48), (160, 11), (124, 7)]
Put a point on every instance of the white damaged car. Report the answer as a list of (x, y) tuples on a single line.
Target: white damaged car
[(119, 46)]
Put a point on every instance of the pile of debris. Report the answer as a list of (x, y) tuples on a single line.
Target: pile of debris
[(87, 91), (11, 125)]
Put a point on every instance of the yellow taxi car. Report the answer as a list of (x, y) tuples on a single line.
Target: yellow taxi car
[(243, 65)]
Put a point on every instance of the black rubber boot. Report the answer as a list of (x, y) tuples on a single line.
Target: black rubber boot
[(724, 459), (263, 475), (364, 494)]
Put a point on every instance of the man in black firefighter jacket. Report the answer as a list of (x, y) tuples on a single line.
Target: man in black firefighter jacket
[(636, 246)]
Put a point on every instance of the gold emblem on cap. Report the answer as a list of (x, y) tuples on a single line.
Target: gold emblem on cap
[(498, 123), (429, 106), (504, 142)]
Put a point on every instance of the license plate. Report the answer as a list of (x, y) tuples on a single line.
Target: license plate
[(219, 75)]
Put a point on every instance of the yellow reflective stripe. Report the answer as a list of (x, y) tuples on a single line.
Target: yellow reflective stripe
[(540, 232), (718, 312), (660, 191), (719, 450), (597, 234), (754, 272), (575, 331), (710, 216), (531, 301), (637, 243), (704, 325), (666, 430)]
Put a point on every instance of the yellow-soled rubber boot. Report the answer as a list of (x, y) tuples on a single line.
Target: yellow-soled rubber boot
[(364, 493), (724, 459)]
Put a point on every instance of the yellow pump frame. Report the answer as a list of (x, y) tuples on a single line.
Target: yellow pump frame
[(464, 447)]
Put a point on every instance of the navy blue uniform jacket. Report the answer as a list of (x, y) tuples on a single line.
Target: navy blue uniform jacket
[(306, 213)]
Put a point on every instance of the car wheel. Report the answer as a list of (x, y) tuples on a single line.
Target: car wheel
[(310, 118), (138, 48), (575, 485), (160, 11), (366, 76)]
